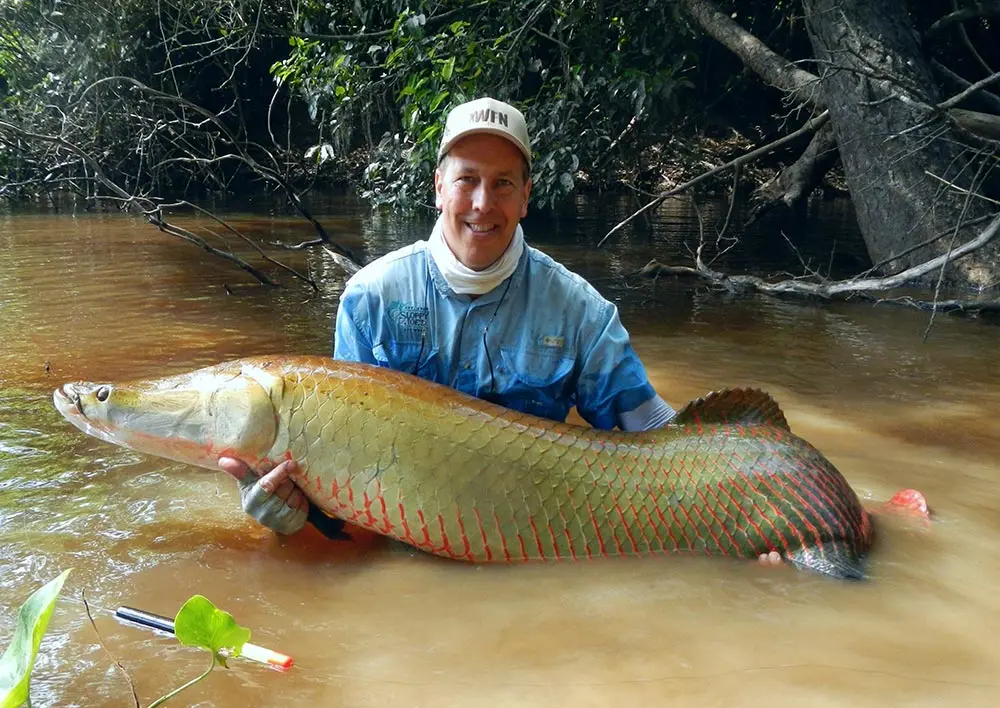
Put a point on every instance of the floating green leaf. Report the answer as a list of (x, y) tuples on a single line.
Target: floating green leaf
[(199, 623), (18, 660)]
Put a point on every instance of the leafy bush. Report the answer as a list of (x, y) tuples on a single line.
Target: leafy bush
[(384, 76)]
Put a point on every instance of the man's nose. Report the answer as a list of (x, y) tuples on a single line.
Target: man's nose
[(483, 198)]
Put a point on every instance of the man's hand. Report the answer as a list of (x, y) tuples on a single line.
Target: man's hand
[(272, 498)]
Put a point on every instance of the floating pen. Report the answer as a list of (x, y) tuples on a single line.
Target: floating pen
[(165, 624)]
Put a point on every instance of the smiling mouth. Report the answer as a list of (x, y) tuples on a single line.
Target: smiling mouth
[(481, 229)]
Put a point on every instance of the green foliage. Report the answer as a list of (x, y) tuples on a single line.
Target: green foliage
[(199, 623), (584, 74), (19, 658)]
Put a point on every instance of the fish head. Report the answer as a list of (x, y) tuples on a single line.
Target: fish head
[(194, 418)]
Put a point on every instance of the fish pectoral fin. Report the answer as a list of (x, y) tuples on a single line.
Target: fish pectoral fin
[(835, 559), (329, 526), (735, 406)]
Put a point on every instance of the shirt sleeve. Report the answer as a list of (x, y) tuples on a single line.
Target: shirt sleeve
[(612, 379), (351, 341)]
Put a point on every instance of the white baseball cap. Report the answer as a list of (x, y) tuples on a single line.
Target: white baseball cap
[(486, 115)]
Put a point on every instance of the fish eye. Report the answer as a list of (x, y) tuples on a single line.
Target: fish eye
[(103, 392)]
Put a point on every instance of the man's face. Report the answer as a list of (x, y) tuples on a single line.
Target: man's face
[(481, 192)]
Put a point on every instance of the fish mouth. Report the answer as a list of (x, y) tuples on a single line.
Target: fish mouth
[(67, 400)]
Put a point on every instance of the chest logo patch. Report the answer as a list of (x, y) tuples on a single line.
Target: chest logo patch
[(407, 317)]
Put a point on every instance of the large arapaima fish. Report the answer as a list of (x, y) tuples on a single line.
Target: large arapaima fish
[(470, 480)]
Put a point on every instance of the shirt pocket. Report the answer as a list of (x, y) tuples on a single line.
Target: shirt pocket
[(537, 381), (414, 358)]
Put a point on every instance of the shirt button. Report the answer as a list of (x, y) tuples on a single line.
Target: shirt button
[(466, 366)]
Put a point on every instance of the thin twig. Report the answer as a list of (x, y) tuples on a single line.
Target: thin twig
[(954, 236), (114, 659), (962, 190)]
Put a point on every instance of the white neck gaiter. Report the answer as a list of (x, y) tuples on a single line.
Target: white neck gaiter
[(464, 280)]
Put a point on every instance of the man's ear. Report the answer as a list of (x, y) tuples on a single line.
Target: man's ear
[(438, 188), (527, 195)]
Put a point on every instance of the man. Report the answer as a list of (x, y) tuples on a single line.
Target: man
[(475, 308)]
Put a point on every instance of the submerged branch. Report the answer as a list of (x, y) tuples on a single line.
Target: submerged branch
[(145, 206), (830, 289), (241, 154)]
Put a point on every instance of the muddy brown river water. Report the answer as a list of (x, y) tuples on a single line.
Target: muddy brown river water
[(86, 296)]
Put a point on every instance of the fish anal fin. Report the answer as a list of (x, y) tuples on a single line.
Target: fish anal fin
[(329, 526), (735, 406), (835, 559)]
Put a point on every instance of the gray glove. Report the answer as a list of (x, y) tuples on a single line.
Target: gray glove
[(269, 509)]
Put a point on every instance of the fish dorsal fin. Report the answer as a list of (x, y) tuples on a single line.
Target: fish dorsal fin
[(735, 406)]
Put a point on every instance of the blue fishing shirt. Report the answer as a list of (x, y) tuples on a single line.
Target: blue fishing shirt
[(541, 342)]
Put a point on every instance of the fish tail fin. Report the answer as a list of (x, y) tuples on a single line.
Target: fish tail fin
[(837, 559)]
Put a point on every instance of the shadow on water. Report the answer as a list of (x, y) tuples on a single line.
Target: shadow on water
[(103, 297)]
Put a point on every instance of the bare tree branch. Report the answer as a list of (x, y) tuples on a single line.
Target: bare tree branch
[(971, 89), (991, 99), (979, 9), (771, 66)]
